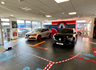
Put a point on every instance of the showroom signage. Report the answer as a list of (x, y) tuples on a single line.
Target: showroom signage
[(14, 31)]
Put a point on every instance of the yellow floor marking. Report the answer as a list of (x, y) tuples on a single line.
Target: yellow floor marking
[(36, 44), (40, 43), (13, 41), (30, 45)]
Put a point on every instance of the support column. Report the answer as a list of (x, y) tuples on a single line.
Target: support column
[(24, 23), (92, 28), (1, 34)]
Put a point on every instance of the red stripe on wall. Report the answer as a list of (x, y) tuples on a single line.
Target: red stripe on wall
[(67, 22)]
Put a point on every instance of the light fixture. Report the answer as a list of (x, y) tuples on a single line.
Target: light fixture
[(48, 15), (72, 13), (25, 8), (60, 1), (62, 13), (11, 15), (3, 2), (80, 21)]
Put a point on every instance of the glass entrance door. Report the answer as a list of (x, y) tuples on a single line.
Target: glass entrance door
[(4, 27)]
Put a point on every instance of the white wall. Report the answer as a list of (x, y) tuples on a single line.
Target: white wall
[(1, 34)]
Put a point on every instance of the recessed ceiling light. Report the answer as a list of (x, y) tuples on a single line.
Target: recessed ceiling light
[(11, 15), (60, 1), (62, 13), (48, 15), (3, 2), (72, 13)]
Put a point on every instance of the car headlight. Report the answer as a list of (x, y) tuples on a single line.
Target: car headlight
[(53, 36), (33, 34), (70, 38)]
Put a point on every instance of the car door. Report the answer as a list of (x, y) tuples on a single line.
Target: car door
[(43, 32), (47, 32)]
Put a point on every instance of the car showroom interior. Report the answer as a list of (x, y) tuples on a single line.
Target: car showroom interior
[(47, 34)]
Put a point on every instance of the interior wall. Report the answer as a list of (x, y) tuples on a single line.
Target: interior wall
[(1, 34)]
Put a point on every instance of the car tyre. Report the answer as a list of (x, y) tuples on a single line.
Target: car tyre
[(54, 44), (50, 35), (39, 38)]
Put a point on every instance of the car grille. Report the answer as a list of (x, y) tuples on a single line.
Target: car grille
[(61, 39), (27, 35)]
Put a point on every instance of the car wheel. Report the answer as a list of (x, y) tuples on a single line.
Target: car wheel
[(54, 44), (50, 35), (39, 38)]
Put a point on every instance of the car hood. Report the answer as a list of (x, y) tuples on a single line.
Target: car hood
[(30, 33), (64, 34)]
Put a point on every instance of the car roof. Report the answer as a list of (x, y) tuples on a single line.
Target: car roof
[(42, 28), (68, 28)]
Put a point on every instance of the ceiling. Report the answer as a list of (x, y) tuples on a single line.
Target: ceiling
[(40, 8)]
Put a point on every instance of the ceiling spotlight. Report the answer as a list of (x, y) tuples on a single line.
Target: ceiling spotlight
[(2, 2), (62, 13), (48, 15), (60, 1), (11, 15), (72, 13)]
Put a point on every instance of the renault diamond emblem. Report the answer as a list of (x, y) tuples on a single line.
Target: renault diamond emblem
[(60, 39)]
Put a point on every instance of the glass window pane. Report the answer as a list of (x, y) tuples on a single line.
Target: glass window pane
[(4, 19), (20, 24), (28, 24), (36, 25)]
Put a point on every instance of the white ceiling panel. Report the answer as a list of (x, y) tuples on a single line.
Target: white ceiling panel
[(39, 8)]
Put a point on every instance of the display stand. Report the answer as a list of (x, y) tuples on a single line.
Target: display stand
[(8, 34), (14, 31)]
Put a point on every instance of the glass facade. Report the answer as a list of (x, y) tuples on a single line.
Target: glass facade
[(36, 25), (28, 24), (20, 24)]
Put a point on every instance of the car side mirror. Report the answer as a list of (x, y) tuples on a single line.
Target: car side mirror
[(42, 31)]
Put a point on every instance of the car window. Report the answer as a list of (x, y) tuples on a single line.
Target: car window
[(66, 31), (47, 29), (43, 30), (37, 30)]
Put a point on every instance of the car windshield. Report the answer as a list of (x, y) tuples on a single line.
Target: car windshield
[(37, 30), (66, 31)]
